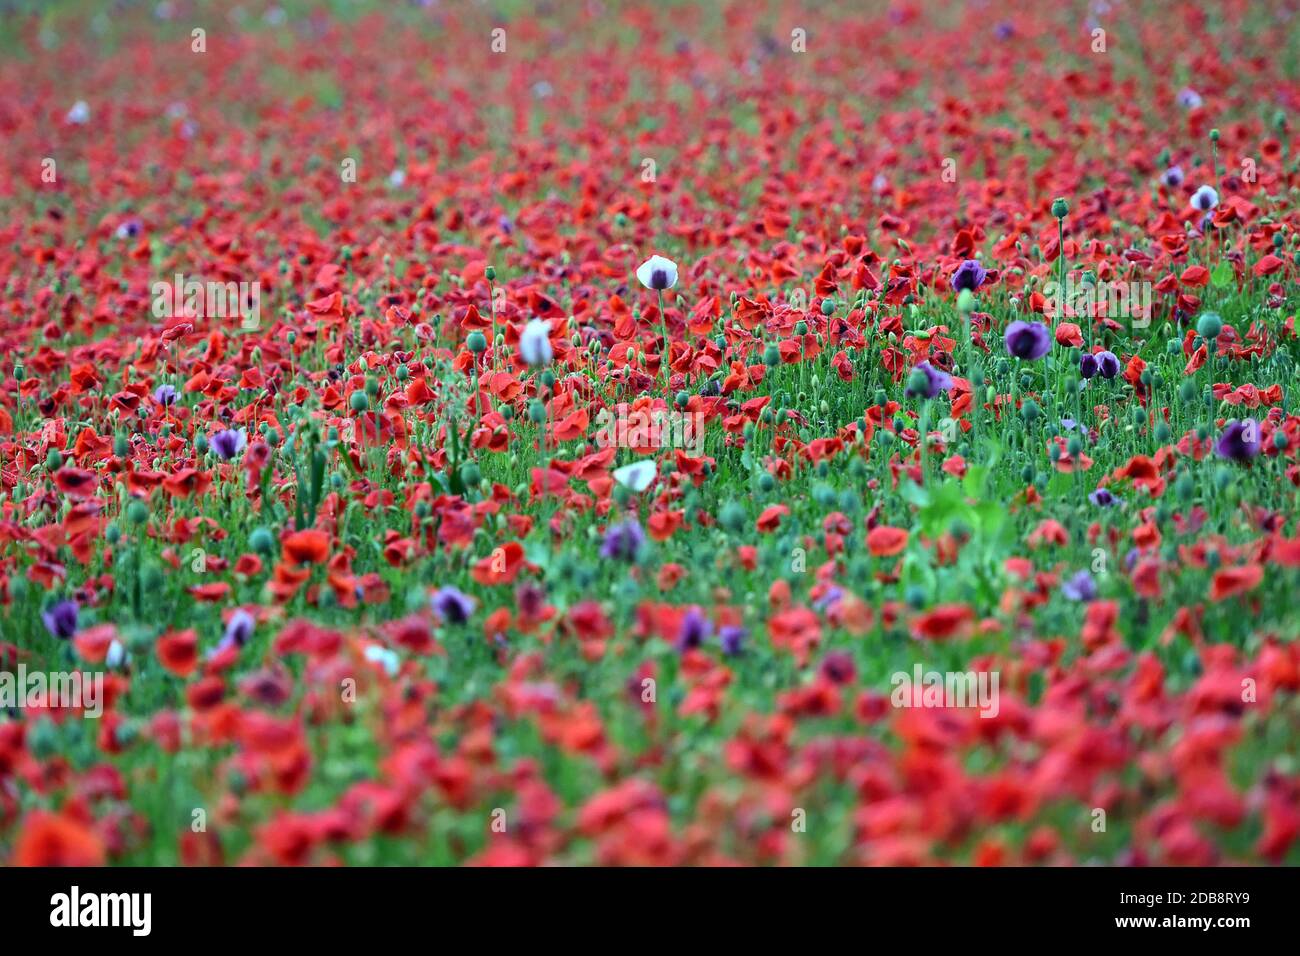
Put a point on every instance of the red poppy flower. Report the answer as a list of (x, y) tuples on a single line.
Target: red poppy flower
[(884, 541), (179, 651), (306, 547), (52, 839), (1233, 581)]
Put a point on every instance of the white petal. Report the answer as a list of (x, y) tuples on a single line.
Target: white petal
[(535, 342), (656, 263), (636, 476)]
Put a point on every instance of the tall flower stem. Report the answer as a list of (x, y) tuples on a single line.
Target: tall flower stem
[(663, 331)]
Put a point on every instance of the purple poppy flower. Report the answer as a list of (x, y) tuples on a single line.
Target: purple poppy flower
[(164, 395), (926, 381), (1028, 340), (452, 605), (238, 629), (1103, 498), (623, 541), (733, 639), (1107, 364), (695, 629), (61, 619), (969, 275), (1087, 365), (1239, 441), (1004, 31), (832, 596), (1080, 587), (1173, 177), (229, 443)]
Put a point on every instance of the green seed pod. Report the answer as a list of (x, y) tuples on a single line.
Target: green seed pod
[(1209, 326), (732, 517), (137, 512), (151, 577), (262, 541)]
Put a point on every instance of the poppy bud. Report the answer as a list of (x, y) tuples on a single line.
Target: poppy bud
[(1060, 208), (476, 342), (358, 401), (732, 517), (1209, 326), (490, 273)]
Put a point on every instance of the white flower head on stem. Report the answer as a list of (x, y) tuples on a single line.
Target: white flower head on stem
[(636, 476), (535, 342), (1205, 199), (657, 273)]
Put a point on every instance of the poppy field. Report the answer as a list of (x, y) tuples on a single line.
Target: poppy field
[(678, 434)]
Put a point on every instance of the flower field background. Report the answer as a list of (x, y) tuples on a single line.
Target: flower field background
[(414, 512)]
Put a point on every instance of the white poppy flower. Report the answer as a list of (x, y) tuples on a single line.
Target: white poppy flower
[(657, 273), (1205, 199), (116, 655), (1189, 99), (79, 115), (636, 476), (535, 342), (385, 658)]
